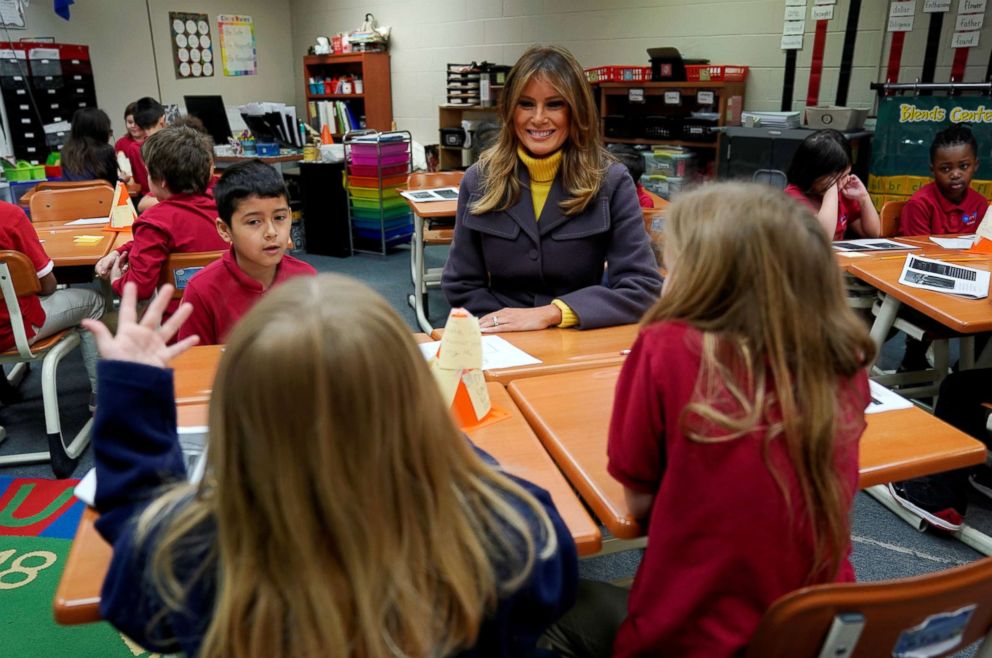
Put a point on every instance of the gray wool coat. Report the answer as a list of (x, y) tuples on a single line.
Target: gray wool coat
[(509, 259)]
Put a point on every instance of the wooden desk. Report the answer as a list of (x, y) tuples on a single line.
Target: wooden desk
[(570, 413), (193, 373), (510, 441), (564, 350), (61, 247)]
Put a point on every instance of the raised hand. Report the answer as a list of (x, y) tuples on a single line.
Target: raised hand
[(145, 341)]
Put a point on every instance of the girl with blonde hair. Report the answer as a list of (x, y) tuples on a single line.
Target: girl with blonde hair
[(342, 513), (736, 423), (546, 209)]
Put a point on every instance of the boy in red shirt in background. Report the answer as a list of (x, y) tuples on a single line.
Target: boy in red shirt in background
[(134, 135), (254, 217), (51, 310), (179, 162), (948, 204), (149, 117)]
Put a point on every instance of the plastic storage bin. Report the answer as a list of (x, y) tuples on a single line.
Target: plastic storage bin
[(24, 171), (679, 164), (667, 187), (832, 116)]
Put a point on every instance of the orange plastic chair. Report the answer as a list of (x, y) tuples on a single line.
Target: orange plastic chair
[(889, 218), (180, 268), (18, 278), (933, 615), (25, 200), (65, 205), (650, 213)]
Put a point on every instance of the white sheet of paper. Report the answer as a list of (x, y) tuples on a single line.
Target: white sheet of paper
[(497, 352), (954, 243), (882, 399), (86, 489), (88, 221), (447, 381), (939, 276)]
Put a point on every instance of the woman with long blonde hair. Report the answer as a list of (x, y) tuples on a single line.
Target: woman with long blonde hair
[(736, 423), (342, 513), (545, 210)]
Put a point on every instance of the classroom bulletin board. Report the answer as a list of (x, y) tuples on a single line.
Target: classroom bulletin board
[(192, 46), (900, 162), (237, 44)]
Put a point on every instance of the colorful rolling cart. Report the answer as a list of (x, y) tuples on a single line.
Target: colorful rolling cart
[(378, 165)]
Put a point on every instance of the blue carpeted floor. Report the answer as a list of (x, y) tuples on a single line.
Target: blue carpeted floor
[(884, 546)]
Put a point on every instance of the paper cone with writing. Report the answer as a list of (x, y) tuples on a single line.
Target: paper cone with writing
[(983, 235), (457, 367), (122, 212)]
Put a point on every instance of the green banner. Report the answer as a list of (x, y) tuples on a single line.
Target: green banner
[(907, 125)]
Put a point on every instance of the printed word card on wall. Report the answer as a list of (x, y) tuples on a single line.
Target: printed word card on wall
[(192, 47), (237, 44)]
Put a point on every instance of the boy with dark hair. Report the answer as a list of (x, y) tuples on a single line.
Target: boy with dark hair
[(179, 163), (948, 204), (149, 116), (633, 160), (254, 217)]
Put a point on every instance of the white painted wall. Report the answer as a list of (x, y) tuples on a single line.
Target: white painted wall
[(120, 41), (429, 33)]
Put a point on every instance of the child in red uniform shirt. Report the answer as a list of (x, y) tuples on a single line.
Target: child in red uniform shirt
[(735, 428), (948, 204), (134, 135), (54, 310), (149, 116), (255, 218), (179, 162), (820, 176)]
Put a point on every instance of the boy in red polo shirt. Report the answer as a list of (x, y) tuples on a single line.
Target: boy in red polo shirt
[(254, 217), (51, 310), (149, 117), (179, 162), (948, 204)]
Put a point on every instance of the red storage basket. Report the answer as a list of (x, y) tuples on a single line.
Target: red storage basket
[(715, 73)]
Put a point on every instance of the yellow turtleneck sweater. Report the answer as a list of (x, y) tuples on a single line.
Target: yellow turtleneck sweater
[(542, 173)]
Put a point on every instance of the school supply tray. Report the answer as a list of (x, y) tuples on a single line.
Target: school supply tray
[(378, 163), (618, 74), (715, 73)]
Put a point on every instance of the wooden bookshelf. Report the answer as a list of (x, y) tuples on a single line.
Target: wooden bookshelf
[(374, 104)]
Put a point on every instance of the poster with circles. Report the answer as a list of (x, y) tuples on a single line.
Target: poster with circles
[(192, 45)]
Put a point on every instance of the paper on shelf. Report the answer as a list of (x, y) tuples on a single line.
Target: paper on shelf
[(882, 399), (497, 352)]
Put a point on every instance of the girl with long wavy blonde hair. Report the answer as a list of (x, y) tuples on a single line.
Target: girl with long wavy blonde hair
[(545, 210), (342, 513), (736, 422)]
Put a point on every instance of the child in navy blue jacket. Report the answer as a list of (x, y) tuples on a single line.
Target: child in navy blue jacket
[(342, 513)]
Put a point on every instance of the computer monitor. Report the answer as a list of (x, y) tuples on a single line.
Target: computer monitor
[(210, 110)]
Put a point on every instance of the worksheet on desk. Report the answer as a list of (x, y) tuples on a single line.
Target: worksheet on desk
[(930, 274), (882, 399), (871, 244), (497, 352)]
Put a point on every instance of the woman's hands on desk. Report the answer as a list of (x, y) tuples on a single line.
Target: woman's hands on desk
[(146, 341), (520, 319)]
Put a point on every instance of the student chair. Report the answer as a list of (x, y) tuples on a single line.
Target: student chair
[(650, 213), (64, 205), (933, 615), (425, 236), (889, 217), (25, 200), (19, 279), (180, 268)]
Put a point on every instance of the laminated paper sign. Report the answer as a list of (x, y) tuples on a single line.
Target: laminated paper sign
[(237, 44), (192, 46), (936, 6)]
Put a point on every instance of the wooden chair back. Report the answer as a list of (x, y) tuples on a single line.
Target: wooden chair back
[(889, 218), (887, 618), (74, 203), (25, 199), (424, 180), (180, 268), (22, 273), (18, 278)]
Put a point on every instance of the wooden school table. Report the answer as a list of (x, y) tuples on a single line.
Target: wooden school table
[(564, 350), (570, 413), (61, 247), (421, 276), (510, 441)]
